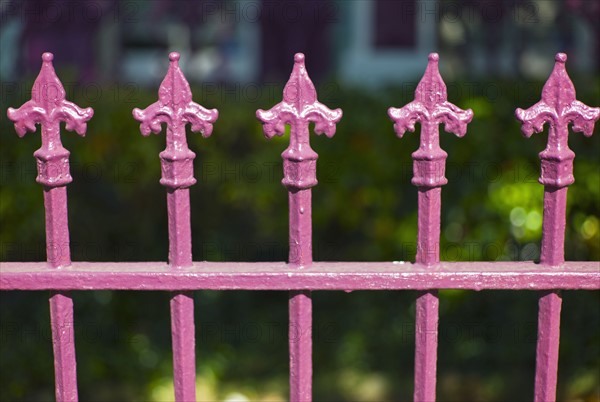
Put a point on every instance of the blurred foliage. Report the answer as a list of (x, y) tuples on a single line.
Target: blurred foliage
[(363, 209)]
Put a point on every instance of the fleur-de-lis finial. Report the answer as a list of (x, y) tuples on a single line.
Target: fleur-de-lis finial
[(299, 108), (558, 107), (176, 108), (48, 107), (430, 108)]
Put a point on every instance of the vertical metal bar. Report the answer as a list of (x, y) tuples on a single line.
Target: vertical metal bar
[(58, 252), (180, 229), (182, 303), (300, 302), (48, 107), (546, 365), (63, 346), (300, 338), (61, 304), (298, 108), (427, 305), (176, 108), (554, 222), (549, 306), (184, 346), (558, 107), (426, 343), (431, 108)]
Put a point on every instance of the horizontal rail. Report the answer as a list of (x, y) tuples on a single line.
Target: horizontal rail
[(281, 276)]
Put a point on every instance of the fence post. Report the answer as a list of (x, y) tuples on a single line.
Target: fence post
[(558, 107), (48, 108), (430, 108), (176, 108), (298, 108)]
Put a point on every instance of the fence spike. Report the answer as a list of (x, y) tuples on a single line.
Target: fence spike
[(430, 108), (299, 108), (558, 107), (176, 108), (48, 108)]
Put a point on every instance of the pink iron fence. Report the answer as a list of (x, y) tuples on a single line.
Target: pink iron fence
[(300, 275)]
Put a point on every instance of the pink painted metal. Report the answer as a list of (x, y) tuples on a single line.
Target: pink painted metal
[(301, 275), (546, 364), (176, 108), (397, 275), (48, 108), (299, 108), (183, 334), (558, 107), (430, 108)]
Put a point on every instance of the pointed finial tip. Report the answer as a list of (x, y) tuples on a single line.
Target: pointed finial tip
[(174, 56), (299, 57), (47, 56), (560, 57), (433, 57)]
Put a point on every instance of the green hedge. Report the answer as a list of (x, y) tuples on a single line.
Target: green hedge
[(364, 208)]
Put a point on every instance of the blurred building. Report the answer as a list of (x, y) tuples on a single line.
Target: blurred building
[(359, 42)]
